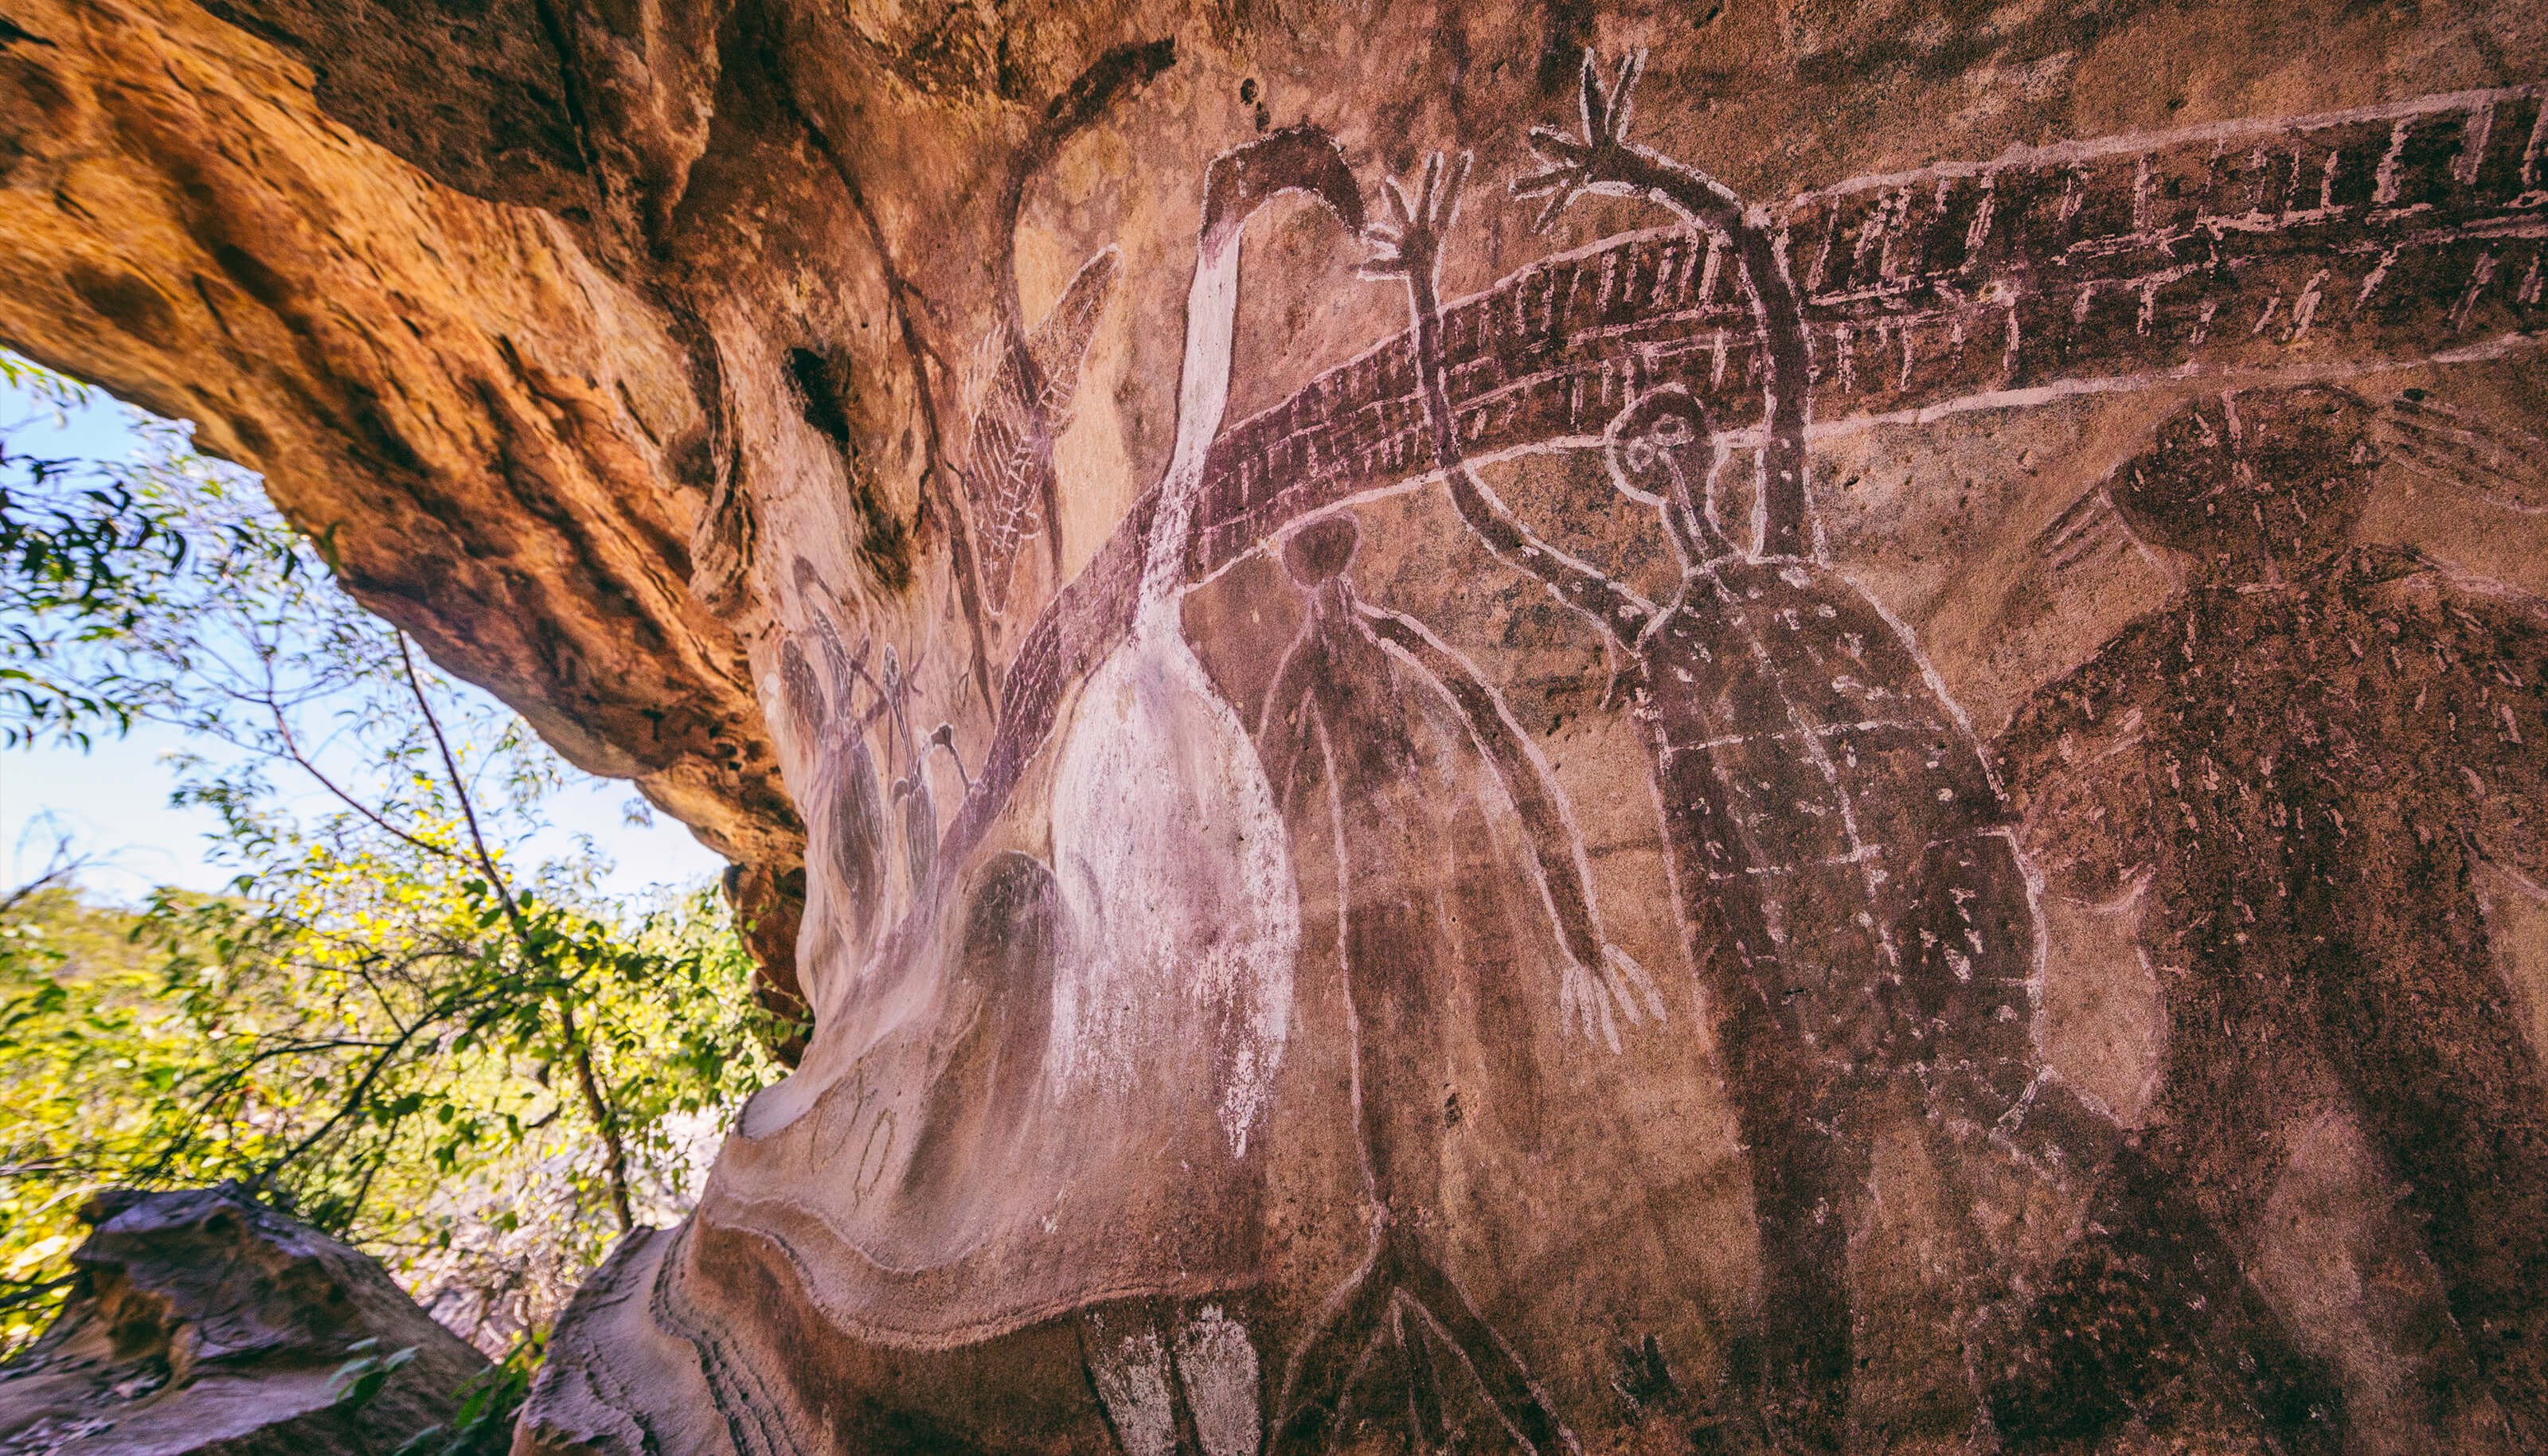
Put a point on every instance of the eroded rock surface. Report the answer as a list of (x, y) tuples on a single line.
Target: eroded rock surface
[(498, 432), (204, 1322), (1834, 745)]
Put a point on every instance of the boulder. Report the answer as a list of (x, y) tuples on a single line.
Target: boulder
[(202, 1321)]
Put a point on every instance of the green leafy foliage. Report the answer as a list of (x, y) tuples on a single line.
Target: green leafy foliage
[(484, 1424), (376, 1062), (391, 1024), (360, 1381), (89, 550)]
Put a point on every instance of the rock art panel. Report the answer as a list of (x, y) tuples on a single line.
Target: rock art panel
[(1504, 743), (1469, 815)]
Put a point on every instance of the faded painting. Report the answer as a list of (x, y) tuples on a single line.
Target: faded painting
[(1910, 814)]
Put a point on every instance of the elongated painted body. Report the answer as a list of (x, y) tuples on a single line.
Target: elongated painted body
[(1847, 867), (1830, 804)]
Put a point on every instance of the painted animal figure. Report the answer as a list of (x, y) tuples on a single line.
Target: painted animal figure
[(1846, 864), (2307, 769), (1166, 838)]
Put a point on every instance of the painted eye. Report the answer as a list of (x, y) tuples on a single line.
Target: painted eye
[(1639, 455), (1672, 430)]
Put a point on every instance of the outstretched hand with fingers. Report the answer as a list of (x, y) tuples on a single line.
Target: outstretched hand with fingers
[(1410, 244), (1584, 1003), (1586, 996), (1597, 161)]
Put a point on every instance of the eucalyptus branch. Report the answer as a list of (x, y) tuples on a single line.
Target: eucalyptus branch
[(234, 1078), (62, 867), (604, 1122), (352, 1104), (292, 750)]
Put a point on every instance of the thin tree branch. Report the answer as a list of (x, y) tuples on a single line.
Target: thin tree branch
[(292, 750), (604, 1119), (352, 1103)]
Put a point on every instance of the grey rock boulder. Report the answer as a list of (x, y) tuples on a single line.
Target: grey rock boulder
[(204, 1323)]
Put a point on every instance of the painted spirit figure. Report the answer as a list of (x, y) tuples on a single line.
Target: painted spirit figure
[(1340, 748), (1848, 867), (2303, 765), (847, 894)]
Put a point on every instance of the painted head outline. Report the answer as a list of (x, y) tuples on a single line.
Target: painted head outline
[(1652, 449), (1320, 551), (2253, 484)]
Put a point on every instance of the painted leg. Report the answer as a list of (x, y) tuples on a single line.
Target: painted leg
[(1425, 1430), (1796, 1367), (2160, 1266), (2153, 1312), (2416, 1018), (1128, 1364), (1216, 1369), (1491, 1362), (1323, 1366)]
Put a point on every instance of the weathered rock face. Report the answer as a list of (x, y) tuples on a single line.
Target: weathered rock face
[(494, 420), (1846, 756), (206, 1322)]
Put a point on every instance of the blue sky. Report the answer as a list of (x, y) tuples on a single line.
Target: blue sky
[(113, 800)]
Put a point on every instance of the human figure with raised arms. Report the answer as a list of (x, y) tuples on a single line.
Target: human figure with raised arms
[(1849, 876)]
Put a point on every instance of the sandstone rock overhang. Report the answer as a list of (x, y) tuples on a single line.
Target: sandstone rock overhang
[(467, 390)]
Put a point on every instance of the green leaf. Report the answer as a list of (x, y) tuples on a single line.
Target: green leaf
[(360, 1381)]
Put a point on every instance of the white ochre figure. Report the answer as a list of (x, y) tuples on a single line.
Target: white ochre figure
[(1167, 840)]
